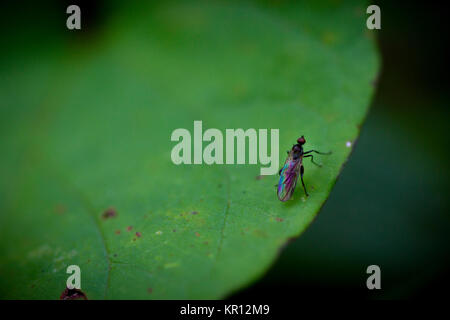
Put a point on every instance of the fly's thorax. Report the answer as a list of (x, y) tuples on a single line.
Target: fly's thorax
[(297, 151)]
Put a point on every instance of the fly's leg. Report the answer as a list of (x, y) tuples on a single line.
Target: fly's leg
[(324, 153), (302, 169), (312, 160)]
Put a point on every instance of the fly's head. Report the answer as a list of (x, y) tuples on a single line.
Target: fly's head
[(301, 141)]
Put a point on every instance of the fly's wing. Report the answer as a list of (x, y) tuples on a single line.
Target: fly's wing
[(288, 178)]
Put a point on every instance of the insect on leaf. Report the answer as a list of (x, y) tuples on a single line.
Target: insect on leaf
[(85, 124)]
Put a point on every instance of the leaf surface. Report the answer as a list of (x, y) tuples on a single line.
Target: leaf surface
[(86, 130)]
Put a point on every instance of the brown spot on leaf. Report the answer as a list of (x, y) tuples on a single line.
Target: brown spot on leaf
[(279, 219), (194, 212), (206, 242), (117, 232), (149, 290), (284, 245), (129, 228), (174, 230), (260, 233), (72, 294), (259, 177), (197, 234), (138, 234), (358, 11), (109, 213), (374, 81), (60, 209)]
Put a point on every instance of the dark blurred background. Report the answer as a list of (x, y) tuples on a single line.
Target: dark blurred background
[(390, 205)]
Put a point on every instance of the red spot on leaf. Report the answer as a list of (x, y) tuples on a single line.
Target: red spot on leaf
[(72, 294)]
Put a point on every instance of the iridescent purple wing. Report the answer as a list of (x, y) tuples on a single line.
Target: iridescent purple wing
[(288, 178)]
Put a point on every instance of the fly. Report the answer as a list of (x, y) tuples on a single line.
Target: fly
[(293, 167)]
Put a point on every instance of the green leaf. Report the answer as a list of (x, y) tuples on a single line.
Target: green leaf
[(86, 128)]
